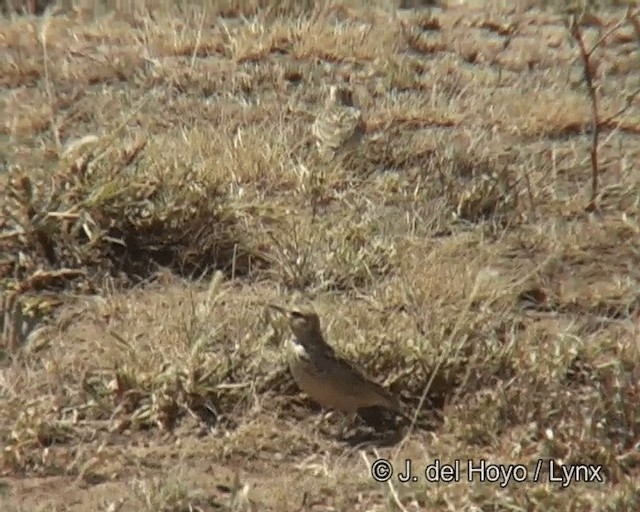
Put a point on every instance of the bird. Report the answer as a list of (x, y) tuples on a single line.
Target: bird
[(339, 128), (328, 379)]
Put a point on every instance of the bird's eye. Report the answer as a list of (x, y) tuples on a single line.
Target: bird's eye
[(297, 314)]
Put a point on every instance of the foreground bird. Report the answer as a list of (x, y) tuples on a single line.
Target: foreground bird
[(327, 378), (339, 128)]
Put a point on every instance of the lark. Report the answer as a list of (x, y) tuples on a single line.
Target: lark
[(339, 128), (327, 378)]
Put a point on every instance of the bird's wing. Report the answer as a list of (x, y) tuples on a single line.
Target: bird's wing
[(335, 126)]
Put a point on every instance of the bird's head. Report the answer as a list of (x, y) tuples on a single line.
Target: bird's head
[(340, 95), (303, 320)]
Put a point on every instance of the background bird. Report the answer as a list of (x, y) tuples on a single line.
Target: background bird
[(339, 128)]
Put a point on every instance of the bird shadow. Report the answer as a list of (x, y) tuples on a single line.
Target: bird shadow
[(375, 426), (382, 428), (364, 439)]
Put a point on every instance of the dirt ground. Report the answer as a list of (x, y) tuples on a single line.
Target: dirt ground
[(162, 187)]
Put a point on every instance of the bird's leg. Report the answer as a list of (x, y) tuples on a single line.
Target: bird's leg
[(348, 427), (323, 416)]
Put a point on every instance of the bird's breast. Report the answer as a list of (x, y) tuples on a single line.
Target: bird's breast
[(297, 349), (330, 383)]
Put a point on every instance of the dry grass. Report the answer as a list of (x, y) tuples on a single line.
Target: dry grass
[(162, 184)]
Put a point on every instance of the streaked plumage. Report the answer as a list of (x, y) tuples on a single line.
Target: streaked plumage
[(328, 379), (339, 128)]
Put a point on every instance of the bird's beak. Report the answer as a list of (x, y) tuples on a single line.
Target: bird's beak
[(278, 308)]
